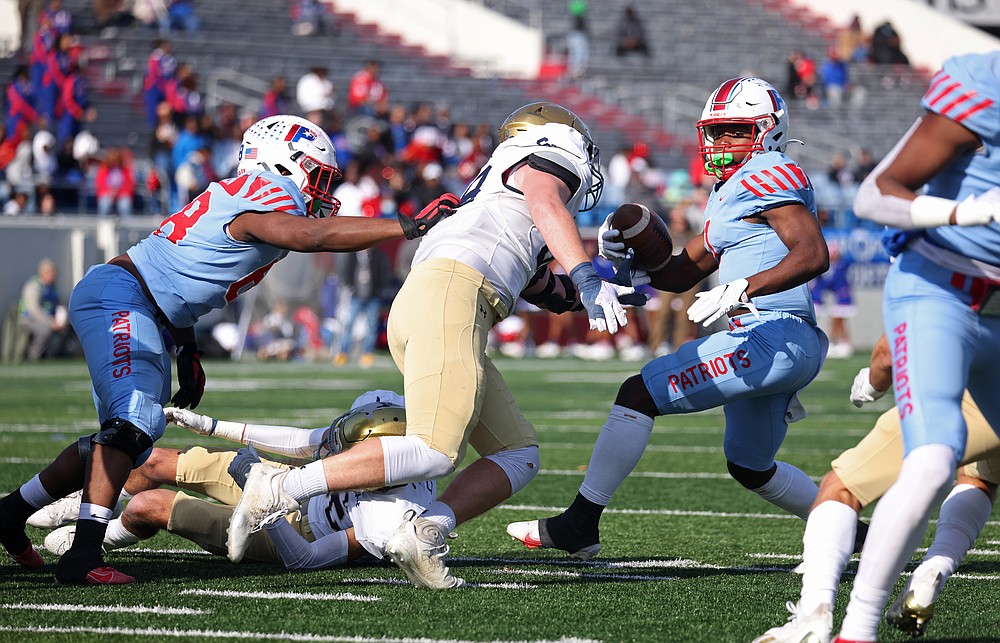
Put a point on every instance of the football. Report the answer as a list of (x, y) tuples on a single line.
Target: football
[(645, 233)]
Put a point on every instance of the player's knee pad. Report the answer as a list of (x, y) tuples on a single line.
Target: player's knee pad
[(124, 436), (407, 459), (520, 465), (750, 478)]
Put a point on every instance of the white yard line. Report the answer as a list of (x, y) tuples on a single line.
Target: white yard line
[(127, 609), (400, 581), (340, 596), (260, 636)]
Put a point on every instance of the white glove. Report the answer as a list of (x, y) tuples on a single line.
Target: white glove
[(862, 390), (600, 298), (200, 424), (609, 243), (710, 306), (979, 210)]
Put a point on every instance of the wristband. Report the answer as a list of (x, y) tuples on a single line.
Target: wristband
[(931, 211)]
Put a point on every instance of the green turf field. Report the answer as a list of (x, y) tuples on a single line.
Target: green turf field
[(689, 555)]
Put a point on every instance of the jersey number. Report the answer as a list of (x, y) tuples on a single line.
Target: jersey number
[(182, 221), (475, 186)]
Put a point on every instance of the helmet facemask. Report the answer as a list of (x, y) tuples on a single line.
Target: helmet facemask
[(720, 159), (321, 180)]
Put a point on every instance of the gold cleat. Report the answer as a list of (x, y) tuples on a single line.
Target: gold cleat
[(914, 608)]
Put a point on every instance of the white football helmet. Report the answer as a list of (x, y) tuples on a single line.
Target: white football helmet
[(292, 146), (545, 112), (748, 101)]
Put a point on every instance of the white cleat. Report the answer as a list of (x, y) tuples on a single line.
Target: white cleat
[(58, 541), (64, 511), (816, 627), (264, 501), (418, 548), (915, 606)]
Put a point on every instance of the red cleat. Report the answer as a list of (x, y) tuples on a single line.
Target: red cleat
[(842, 640), (108, 576), (28, 558)]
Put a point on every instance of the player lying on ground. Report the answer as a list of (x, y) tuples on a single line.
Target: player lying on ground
[(859, 477), (329, 530)]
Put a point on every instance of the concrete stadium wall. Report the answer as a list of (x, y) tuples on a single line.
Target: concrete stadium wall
[(464, 31)]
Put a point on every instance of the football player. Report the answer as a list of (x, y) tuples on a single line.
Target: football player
[(941, 307), (861, 475), (515, 216), (199, 259), (762, 235), (328, 530)]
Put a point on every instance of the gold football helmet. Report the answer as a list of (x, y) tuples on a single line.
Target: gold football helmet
[(544, 112), (368, 421)]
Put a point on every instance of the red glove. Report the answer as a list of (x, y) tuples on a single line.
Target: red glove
[(440, 208), (190, 377)]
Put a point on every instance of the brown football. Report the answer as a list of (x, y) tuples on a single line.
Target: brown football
[(644, 232)]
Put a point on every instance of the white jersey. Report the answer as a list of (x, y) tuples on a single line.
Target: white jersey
[(492, 231), (375, 515)]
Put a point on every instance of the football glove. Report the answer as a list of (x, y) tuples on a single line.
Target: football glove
[(440, 208), (239, 468), (190, 377), (724, 298), (609, 243), (200, 424), (862, 391), (600, 298), (627, 279)]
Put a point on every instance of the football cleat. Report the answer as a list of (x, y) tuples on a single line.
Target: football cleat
[(530, 534), (62, 512), (814, 627), (264, 501), (418, 548), (914, 608), (843, 640), (58, 541), (107, 576), (85, 567), (28, 558)]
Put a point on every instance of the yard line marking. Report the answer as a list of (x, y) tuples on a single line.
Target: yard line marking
[(670, 448), (658, 512), (679, 563), (580, 575), (24, 461), (341, 596), (400, 581), (700, 475), (263, 636), (151, 550), (128, 609)]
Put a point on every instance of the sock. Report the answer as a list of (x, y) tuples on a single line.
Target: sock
[(442, 514), (826, 550), (118, 536), (573, 529), (618, 449), (963, 514), (14, 511), (898, 525), (790, 489), (306, 482), (35, 494)]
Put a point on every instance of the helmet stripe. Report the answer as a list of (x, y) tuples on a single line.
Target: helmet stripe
[(774, 99), (722, 96)]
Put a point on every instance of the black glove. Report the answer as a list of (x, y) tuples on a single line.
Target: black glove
[(190, 377), (239, 468), (438, 209)]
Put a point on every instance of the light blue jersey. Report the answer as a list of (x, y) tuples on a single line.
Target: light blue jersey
[(191, 264), (967, 91), (764, 182)]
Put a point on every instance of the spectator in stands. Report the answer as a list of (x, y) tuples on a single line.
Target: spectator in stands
[(852, 43), (630, 35), (28, 11), (182, 15), (864, 164), (427, 142), (42, 43), (57, 62), (365, 276), (42, 315), (152, 14), (17, 204), (21, 111), (195, 174), (835, 281), (578, 47), (276, 99), (836, 78), (669, 326), (114, 184), (315, 95), (311, 18), (161, 145), (887, 46), (43, 152), (74, 106), (430, 185), (58, 18), (183, 94), (161, 67), (366, 92), (805, 78)]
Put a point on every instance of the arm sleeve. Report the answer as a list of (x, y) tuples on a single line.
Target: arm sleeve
[(872, 205), (282, 440), (298, 553)]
